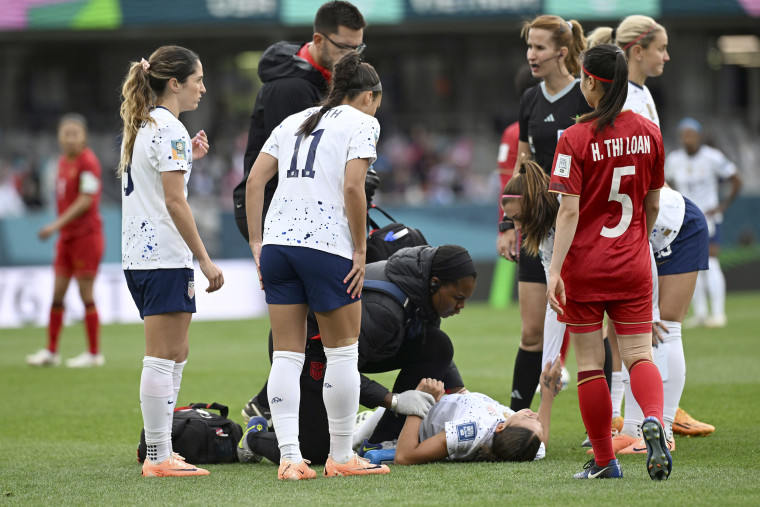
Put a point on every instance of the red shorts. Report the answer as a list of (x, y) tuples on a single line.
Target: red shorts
[(78, 257), (630, 316)]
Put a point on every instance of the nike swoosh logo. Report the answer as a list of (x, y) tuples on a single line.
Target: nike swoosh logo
[(238, 206), (639, 449), (365, 449), (367, 468), (594, 476)]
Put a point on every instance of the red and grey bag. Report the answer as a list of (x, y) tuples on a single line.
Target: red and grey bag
[(201, 436)]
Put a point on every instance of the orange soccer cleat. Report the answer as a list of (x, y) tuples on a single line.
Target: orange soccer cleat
[(173, 466), (687, 426), (354, 466), (290, 471)]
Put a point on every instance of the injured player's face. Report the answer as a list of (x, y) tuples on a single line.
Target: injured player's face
[(527, 419)]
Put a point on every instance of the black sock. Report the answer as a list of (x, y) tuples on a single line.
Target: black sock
[(608, 362), (525, 378)]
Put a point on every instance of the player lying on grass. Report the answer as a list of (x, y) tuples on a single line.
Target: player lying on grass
[(473, 427)]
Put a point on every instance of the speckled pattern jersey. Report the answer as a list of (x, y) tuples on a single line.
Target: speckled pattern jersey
[(149, 238), (308, 209), (469, 421)]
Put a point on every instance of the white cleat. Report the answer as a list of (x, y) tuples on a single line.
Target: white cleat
[(715, 321), (86, 360), (43, 357)]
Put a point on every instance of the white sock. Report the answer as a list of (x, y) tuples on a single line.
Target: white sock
[(673, 386), (340, 393), (156, 393), (367, 427), (554, 332), (634, 417), (284, 391), (699, 299), (176, 383), (617, 393), (716, 287)]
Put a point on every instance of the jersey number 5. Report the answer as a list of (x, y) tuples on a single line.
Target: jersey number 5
[(624, 200), (307, 172)]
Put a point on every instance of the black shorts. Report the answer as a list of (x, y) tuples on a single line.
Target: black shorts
[(529, 268)]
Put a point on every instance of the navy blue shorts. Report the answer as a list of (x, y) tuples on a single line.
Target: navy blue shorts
[(294, 275), (688, 252), (157, 291), (529, 268)]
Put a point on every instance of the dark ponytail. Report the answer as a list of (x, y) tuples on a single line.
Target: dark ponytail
[(350, 77), (607, 64), (538, 207)]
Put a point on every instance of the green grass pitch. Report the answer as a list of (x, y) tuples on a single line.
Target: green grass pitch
[(69, 436)]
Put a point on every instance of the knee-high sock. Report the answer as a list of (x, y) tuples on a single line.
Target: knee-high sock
[(596, 411), (156, 393), (340, 392), (554, 332), (699, 299), (673, 382), (284, 392), (716, 288), (367, 427), (525, 378), (92, 324), (616, 393), (646, 386), (176, 383), (634, 417), (54, 327)]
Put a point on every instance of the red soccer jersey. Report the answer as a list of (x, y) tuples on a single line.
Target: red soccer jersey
[(611, 172), (507, 156), (78, 176)]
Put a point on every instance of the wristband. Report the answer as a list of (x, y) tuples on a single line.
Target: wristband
[(394, 402), (506, 225)]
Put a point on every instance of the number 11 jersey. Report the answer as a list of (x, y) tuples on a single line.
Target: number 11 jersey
[(308, 207), (611, 172)]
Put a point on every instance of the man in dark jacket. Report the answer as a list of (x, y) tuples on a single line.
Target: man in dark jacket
[(398, 332), (295, 77)]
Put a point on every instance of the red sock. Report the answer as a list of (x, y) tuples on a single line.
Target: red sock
[(646, 385), (565, 346), (91, 323), (54, 327), (596, 411)]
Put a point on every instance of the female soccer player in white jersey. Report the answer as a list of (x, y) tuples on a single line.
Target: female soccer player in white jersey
[(697, 171), (645, 43), (474, 427), (545, 111), (311, 255), (159, 236), (609, 169)]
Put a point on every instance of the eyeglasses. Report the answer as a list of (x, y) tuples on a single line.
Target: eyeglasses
[(346, 47)]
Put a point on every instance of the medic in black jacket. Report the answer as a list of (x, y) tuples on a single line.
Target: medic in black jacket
[(436, 282), (295, 77)]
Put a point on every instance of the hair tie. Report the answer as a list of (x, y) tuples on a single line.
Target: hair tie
[(613, 35), (595, 77), (637, 39), (511, 196), (145, 65), (570, 25)]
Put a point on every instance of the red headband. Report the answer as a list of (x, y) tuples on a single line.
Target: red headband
[(595, 77), (637, 39)]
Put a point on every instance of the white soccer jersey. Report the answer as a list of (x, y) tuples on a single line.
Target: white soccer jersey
[(149, 238), (698, 177), (640, 101), (469, 421), (308, 208), (669, 220)]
